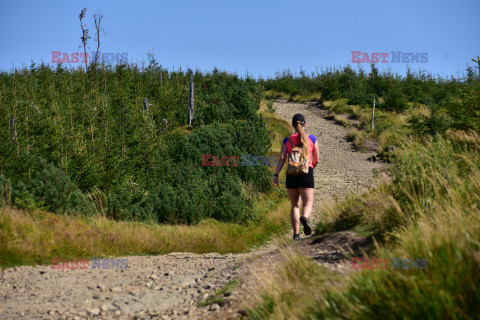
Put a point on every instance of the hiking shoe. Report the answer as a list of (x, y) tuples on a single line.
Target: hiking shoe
[(296, 237), (306, 229)]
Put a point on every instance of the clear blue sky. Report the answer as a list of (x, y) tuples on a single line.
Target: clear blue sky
[(260, 37)]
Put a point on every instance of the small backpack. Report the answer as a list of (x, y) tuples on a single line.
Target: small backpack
[(297, 163)]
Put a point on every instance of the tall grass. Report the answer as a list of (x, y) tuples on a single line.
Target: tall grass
[(292, 285), (429, 211), (35, 237)]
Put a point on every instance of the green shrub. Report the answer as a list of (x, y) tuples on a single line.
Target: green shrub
[(23, 198), (125, 204), (50, 189), (436, 123), (182, 195), (360, 97), (465, 110), (222, 98), (189, 194), (395, 100)]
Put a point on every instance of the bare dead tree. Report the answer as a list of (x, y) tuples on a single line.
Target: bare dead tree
[(190, 100), (85, 35), (373, 114), (98, 18), (478, 67), (146, 104), (13, 129)]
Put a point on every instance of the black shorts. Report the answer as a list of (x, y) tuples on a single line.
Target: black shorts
[(303, 181)]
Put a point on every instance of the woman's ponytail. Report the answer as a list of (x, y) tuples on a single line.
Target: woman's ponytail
[(303, 140)]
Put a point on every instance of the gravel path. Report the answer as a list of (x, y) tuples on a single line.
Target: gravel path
[(340, 169), (170, 286)]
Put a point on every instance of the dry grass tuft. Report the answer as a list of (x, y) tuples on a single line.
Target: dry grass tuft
[(431, 213), (36, 237)]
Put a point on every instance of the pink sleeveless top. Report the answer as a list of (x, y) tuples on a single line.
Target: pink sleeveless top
[(311, 141)]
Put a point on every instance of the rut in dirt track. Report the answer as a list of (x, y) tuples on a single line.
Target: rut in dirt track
[(170, 286)]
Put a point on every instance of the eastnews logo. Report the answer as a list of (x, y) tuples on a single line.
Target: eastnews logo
[(82, 57), (394, 263), (394, 56), (93, 263)]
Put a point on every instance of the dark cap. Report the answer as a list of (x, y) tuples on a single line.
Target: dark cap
[(298, 117)]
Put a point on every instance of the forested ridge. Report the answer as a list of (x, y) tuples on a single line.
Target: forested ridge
[(114, 141)]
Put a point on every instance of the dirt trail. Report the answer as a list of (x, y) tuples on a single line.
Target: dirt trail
[(171, 286)]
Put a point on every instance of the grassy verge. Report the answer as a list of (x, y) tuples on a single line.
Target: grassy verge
[(272, 94), (277, 127), (302, 98), (290, 288), (34, 237), (390, 127), (430, 211)]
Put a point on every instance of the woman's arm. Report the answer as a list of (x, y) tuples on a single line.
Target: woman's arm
[(316, 154), (281, 161)]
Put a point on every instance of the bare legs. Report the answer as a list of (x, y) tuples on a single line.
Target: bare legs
[(296, 196), (307, 197)]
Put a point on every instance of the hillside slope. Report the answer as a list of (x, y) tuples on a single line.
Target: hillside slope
[(171, 286)]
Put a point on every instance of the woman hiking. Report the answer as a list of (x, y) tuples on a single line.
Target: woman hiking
[(300, 182)]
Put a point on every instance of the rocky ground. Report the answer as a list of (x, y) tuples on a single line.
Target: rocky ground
[(172, 286)]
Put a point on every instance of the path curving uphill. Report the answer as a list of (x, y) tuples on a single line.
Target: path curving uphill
[(171, 286), (340, 169)]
